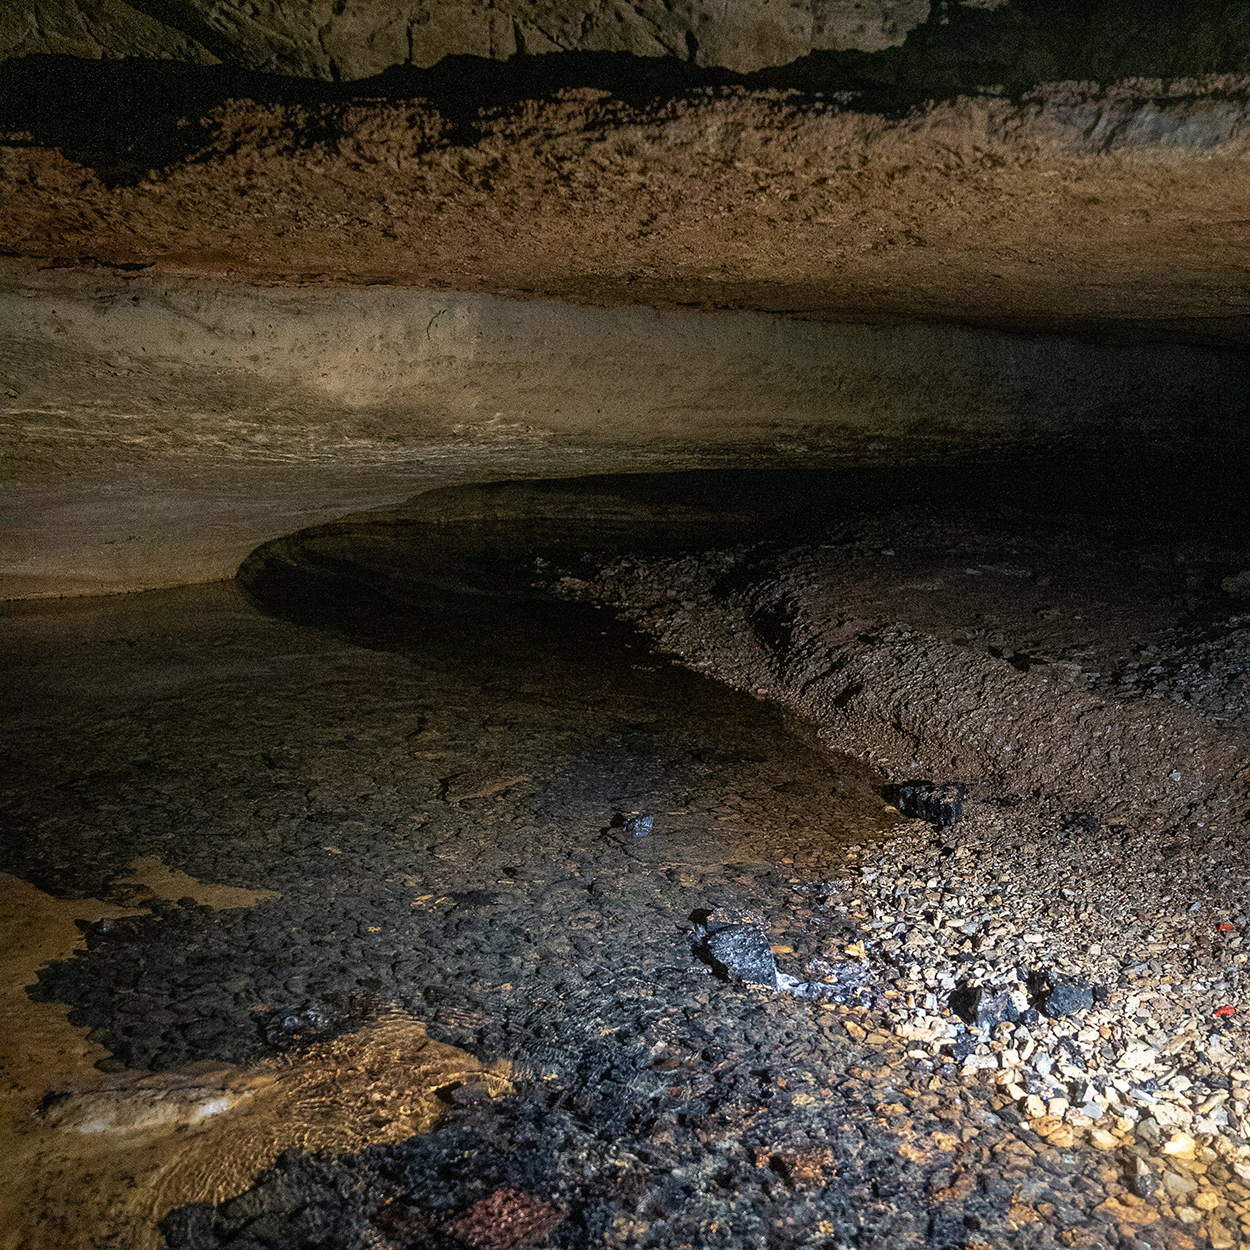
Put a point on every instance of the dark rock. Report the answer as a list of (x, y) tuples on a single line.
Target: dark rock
[(298, 1027), (940, 803), (1065, 998), (983, 1006), (1077, 823), (467, 1094), (402, 1221), (964, 1045), (743, 953)]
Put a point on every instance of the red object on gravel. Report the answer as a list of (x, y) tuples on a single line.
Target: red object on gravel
[(1226, 1010), (1225, 927)]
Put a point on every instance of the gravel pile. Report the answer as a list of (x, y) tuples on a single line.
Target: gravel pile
[(1096, 1017), (1074, 945)]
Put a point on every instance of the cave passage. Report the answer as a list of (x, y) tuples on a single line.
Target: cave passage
[(430, 899)]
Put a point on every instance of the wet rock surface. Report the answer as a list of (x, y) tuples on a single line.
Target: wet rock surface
[(1021, 1028)]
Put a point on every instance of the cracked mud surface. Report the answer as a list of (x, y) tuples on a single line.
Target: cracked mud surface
[(437, 784)]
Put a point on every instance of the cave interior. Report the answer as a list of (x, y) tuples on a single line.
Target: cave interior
[(625, 625)]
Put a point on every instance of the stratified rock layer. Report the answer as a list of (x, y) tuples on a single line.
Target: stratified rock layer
[(343, 41)]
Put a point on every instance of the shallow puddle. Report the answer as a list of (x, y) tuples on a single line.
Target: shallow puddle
[(412, 816), (94, 1159)]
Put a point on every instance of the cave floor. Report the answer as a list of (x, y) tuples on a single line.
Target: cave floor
[(365, 956)]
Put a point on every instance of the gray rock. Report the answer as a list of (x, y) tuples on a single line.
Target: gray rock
[(743, 953), (1144, 1181)]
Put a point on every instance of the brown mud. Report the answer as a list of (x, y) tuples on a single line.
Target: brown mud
[(1080, 208)]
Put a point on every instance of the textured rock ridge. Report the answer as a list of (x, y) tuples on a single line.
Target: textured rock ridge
[(364, 37)]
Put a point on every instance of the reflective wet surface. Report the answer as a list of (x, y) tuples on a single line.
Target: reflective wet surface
[(428, 807), (376, 899)]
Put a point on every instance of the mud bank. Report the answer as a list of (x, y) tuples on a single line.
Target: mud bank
[(975, 690), (1069, 637)]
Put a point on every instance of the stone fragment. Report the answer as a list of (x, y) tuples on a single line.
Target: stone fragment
[(742, 953), (1178, 1186), (1078, 823), (1180, 1146), (1143, 1181), (160, 1104), (1219, 1236), (940, 803), (1064, 998), (1171, 1115), (984, 1007), (1126, 1214)]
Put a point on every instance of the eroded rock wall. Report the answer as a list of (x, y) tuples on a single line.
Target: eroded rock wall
[(365, 37), (159, 431), (964, 44)]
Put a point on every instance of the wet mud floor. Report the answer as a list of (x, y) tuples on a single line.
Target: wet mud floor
[(431, 814), (451, 997)]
